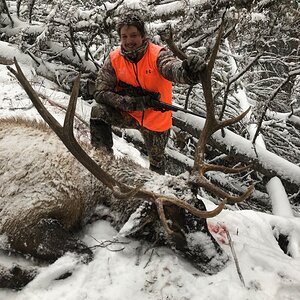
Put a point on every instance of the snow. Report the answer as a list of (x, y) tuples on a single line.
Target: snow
[(126, 268), (256, 17), (278, 195), (169, 8)]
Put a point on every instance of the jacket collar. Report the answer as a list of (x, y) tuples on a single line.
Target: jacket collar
[(135, 55)]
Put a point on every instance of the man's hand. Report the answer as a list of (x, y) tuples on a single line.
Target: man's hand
[(141, 103), (193, 66)]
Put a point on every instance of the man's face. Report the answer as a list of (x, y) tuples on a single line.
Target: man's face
[(131, 38)]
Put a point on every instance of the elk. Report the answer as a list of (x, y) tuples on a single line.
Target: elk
[(82, 178)]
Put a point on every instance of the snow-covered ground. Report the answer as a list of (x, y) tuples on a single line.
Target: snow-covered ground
[(129, 269)]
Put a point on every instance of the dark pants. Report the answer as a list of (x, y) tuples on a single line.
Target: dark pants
[(105, 116)]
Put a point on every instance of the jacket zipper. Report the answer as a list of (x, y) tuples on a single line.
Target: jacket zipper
[(135, 70)]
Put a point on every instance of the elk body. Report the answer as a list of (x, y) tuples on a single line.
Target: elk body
[(46, 195)]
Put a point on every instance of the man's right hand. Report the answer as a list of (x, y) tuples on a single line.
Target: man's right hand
[(140, 103)]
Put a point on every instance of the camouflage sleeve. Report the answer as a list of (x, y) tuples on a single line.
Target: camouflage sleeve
[(105, 88), (171, 68)]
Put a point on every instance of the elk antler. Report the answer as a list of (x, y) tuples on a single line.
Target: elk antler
[(211, 125), (120, 190)]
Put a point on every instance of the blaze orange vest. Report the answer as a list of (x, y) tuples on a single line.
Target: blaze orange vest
[(149, 79)]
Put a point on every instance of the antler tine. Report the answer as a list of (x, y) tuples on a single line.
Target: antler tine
[(65, 133), (70, 113), (33, 96), (216, 46), (191, 209), (200, 180), (233, 120)]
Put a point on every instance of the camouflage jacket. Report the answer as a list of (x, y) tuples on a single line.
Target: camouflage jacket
[(168, 65)]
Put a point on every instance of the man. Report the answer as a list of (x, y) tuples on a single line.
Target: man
[(150, 68)]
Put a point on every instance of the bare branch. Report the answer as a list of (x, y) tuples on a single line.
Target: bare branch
[(31, 4), (234, 79), (237, 265), (167, 36), (271, 98)]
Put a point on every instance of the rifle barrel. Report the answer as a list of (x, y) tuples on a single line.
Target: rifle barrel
[(166, 106)]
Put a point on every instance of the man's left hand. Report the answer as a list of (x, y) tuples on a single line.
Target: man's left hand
[(153, 98)]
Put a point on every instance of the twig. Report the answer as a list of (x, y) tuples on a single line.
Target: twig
[(138, 254), (234, 257), (72, 42), (272, 96), (33, 57), (150, 258), (108, 271), (109, 12), (87, 54), (106, 244), (234, 79), (30, 10), (292, 109), (21, 108)]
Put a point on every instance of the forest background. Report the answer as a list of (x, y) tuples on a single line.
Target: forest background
[(257, 67)]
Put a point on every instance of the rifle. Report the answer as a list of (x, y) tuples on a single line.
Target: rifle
[(130, 90)]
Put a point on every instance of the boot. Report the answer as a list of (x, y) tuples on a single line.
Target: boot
[(101, 134)]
